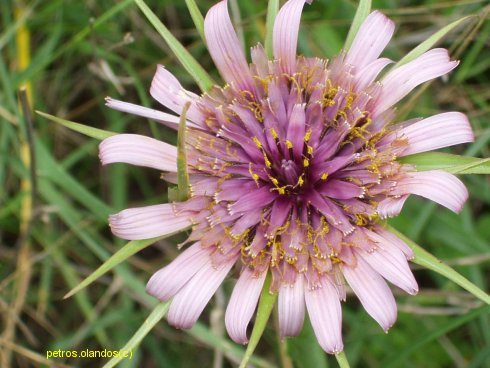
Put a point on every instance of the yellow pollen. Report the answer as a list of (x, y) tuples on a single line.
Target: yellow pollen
[(289, 144), (310, 150), (257, 142), (324, 176), (306, 162)]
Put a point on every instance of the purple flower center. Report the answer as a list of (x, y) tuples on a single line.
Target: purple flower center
[(289, 172)]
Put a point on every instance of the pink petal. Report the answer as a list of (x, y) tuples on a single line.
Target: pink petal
[(371, 39), (340, 189), (399, 82), (334, 215), (397, 242), (138, 150), (167, 90), (438, 131), (291, 307), (147, 222), (375, 296), (390, 262), (260, 60), (242, 304), (254, 199), (169, 120), (437, 185), (368, 74), (391, 206), (296, 129), (323, 306), (225, 48), (167, 281), (285, 35), (191, 300)]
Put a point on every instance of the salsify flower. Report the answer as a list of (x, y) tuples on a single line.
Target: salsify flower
[(293, 167)]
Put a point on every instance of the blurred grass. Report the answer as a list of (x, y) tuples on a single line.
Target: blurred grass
[(82, 51)]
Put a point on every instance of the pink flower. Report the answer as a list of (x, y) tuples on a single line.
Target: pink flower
[(293, 165)]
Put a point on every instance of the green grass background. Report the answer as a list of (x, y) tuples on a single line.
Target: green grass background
[(82, 51)]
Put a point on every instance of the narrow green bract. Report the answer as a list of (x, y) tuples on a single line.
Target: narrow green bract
[(363, 10), (89, 131), (427, 260), (264, 310), (155, 316)]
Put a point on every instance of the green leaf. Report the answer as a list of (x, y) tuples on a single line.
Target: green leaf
[(155, 316), (445, 161), (197, 17), (77, 127), (363, 10), (431, 41), (427, 260), (342, 360), (125, 252), (266, 304), (190, 64), (272, 10)]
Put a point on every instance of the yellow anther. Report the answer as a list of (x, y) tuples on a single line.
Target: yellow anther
[(335, 259), (324, 176), (301, 181), (307, 135), (274, 180), (257, 142), (254, 176), (267, 162), (306, 162), (361, 220), (274, 133), (310, 150), (289, 144)]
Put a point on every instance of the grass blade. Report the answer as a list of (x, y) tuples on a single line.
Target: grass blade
[(190, 64), (363, 10), (427, 260)]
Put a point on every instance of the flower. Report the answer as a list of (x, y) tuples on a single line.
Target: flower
[(293, 167)]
